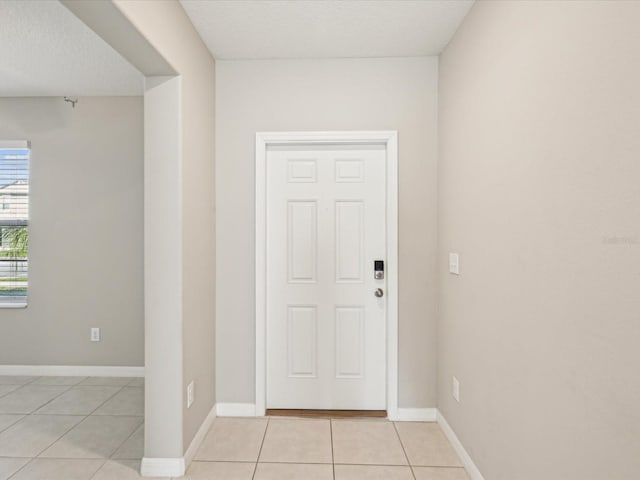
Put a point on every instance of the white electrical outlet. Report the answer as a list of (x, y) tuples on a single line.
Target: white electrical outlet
[(95, 335), (455, 389), (454, 263), (190, 394)]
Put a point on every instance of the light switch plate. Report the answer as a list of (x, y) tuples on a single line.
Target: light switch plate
[(454, 263)]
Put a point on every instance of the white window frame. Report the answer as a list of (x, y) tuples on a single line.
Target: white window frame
[(17, 144)]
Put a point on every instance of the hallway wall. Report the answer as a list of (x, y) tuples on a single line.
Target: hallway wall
[(347, 94), (540, 195)]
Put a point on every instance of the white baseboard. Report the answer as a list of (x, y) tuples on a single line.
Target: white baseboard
[(71, 371), (236, 409), (472, 469), (162, 467), (177, 467), (190, 454), (413, 415)]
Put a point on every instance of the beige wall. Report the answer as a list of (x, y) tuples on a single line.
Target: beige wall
[(166, 26), (160, 41), (539, 181), (351, 94), (85, 232)]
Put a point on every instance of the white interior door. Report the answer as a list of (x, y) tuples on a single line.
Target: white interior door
[(326, 328)]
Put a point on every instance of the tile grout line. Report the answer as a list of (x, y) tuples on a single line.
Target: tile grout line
[(54, 398), (45, 403), (333, 460), (100, 468), (70, 414), (264, 436), (106, 400), (81, 421), (10, 391), (395, 427), (22, 415), (74, 459), (135, 430), (20, 469), (318, 463), (33, 414)]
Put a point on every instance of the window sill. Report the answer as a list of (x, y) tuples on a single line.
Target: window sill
[(13, 305)]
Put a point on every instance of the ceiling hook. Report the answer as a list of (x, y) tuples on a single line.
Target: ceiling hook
[(72, 101)]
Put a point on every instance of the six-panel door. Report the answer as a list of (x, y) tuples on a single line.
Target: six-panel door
[(326, 329)]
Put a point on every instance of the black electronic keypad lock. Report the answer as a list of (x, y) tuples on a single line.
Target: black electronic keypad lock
[(378, 269)]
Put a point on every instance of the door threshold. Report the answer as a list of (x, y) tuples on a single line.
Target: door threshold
[(282, 412)]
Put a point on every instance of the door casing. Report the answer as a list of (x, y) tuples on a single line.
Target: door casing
[(390, 140)]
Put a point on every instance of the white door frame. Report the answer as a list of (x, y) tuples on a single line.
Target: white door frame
[(390, 140)]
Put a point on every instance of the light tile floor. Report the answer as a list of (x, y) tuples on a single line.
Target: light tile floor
[(70, 428), (279, 448)]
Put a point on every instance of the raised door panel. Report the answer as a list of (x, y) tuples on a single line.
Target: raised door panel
[(349, 346), (349, 251), (302, 241)]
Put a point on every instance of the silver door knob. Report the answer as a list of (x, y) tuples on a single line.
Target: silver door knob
[(378, 293)]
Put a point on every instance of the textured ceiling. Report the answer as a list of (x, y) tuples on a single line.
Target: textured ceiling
[(242, 29), (46, 51)]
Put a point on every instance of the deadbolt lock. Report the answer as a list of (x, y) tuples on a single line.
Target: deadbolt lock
[(378, 269)]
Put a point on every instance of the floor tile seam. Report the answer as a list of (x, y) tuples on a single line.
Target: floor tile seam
[(73, 459), (58, 438), (333, 465), (223, 461), (324, 463), (31, 459), (440, 466), (100, 468), (48, 401), (127, 439), (120, 388), (12, 424), (264, 435), (114, 394), (77, 425), (395, 428), (34, 414), (135, 379), (341, 464), (285, 462), (111, 397), (82, 379), (200, 460), (100, 384), (77, 384), (10, 391)]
